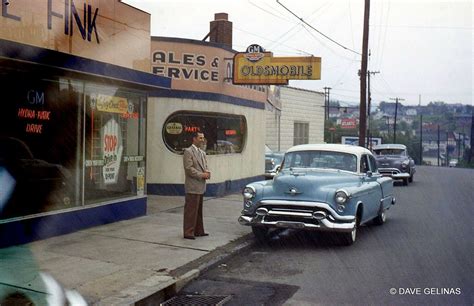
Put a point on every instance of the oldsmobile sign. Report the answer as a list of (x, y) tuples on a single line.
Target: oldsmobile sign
[(255, 66)]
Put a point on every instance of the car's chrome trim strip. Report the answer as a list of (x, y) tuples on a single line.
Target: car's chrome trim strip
[(289, 213), (308, 204)]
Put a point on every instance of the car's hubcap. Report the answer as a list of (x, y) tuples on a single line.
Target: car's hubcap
[(384, 216), (354, 233)]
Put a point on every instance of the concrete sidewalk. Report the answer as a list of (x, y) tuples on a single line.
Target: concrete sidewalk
[(139, 260)]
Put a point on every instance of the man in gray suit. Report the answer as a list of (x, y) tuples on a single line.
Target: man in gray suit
[(196, 174)]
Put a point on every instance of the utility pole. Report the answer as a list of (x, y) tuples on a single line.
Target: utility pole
[(459, 147), (421, 139), (369, 142), (438, 145), (326, 101), (471, 150), (395, 122), (363, 76), (447, 152)]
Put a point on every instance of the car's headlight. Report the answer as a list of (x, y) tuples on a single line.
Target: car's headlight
[(341, 197), (248, 192)]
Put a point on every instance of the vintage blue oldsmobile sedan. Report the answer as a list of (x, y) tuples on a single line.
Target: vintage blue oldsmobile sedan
[(324, 187)]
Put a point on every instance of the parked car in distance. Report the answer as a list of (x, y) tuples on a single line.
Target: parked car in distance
[(453, 163), (322, 187), (393, 160), (272, 163)]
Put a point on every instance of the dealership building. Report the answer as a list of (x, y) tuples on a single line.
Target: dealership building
[(97, 113), (75, 80), (203, 98)]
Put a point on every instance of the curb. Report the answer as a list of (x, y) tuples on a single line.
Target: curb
[(160, 288)]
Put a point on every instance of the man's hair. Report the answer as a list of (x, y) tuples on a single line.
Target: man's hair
[(195, 134)]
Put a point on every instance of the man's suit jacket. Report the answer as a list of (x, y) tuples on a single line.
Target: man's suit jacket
[(194, 166)]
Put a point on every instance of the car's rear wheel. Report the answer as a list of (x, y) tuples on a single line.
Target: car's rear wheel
[(260, 233), (381, 217)]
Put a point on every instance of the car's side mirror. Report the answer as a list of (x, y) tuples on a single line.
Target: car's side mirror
[(369, 173)]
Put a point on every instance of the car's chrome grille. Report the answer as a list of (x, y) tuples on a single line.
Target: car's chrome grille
[(389, 171)]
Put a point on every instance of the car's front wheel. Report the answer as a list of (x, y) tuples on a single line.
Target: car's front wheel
[(350, 237), (260, 233)]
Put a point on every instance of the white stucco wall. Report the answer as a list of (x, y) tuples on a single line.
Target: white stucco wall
[(271, 129), (298, 105), (165, 167)]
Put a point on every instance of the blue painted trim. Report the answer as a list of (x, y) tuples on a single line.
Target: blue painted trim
[(18, 51), (37, 228), (212, 190), (185, 94)]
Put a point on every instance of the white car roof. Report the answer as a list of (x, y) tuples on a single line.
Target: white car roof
[(356, 150), (390, 146)]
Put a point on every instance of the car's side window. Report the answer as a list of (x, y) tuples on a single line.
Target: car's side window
[(373, 164), (364, 164)]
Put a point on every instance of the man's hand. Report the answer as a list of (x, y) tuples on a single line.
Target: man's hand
[(206, 175)]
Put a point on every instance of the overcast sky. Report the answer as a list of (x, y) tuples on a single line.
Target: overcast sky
[(422, 48)]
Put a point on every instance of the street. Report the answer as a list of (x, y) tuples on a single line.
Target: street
[(421, 255)]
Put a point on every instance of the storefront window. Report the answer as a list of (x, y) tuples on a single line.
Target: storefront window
[(39, 145), (114, 144), (224, 133), (66, 143)]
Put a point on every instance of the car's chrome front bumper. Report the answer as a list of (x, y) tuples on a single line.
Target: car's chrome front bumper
[(394, 173), (314, 216)]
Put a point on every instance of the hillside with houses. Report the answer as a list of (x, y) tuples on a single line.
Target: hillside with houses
[(435, 133)]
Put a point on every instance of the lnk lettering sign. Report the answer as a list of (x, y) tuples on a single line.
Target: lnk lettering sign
[(73, 17)]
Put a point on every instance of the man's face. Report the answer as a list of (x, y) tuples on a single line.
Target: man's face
[(198, 141)]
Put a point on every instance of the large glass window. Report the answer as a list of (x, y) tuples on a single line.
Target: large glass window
[(114, 143), (66, 143), (39, 144), (224, 133)]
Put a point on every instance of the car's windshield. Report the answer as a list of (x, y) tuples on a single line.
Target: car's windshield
[(320, 159), (389, 151), (272, 160)]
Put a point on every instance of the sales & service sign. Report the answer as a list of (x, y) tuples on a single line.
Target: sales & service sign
[(255, 66)]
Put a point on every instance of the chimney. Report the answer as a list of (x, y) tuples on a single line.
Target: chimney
[(221, 29)]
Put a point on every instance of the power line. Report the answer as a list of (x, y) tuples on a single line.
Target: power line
[(268, 12), (324, 35), (250, 33), (296, 25), (327, 47)]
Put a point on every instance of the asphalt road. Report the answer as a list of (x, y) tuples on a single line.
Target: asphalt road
[(422, 255)]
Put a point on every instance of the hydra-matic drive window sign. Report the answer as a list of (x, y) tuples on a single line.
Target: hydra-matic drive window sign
[(67, 143)]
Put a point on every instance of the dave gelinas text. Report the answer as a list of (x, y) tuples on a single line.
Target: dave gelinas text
[(429, 291)]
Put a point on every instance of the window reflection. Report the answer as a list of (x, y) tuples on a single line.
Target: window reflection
[(224, 133)]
